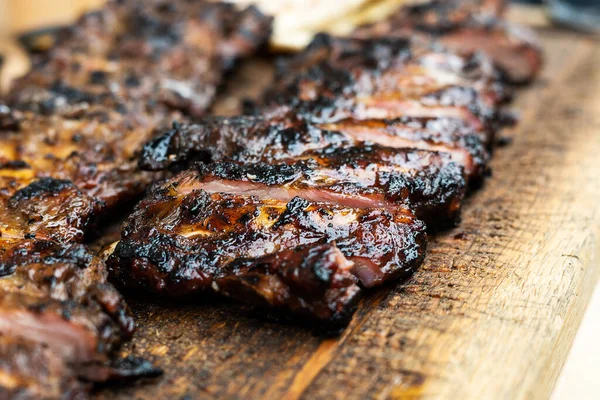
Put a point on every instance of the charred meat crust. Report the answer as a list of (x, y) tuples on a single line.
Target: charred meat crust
[(242, 138), (427, 182), (447, 135), (312, 281), (181, 240), (343, 93), (41, 187), (46, 209), (387, 78), (283, 136)]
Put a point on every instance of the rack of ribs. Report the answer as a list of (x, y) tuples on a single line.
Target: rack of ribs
[(392, 127), (70, 132)]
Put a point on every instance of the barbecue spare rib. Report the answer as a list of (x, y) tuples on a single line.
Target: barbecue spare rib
[(360, 79), (395, 93), (298, 255), (283, 162), (392, 127), (70, 131)]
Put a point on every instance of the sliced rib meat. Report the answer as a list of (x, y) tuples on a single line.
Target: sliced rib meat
[(150, 57), (447, 135), (56, 297), (369, 176), (466, 27), (181, 240), (282, 135), (111, 80), (387, 78), (97, 156)]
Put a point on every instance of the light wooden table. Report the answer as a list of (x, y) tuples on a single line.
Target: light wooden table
[(579, 377)]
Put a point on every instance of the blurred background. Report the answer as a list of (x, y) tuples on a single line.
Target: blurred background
[(22, 15), (577, 14)]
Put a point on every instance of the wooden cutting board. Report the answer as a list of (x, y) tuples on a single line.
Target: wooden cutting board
[(492, 312)]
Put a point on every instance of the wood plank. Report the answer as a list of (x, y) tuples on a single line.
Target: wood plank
[(491, 314)]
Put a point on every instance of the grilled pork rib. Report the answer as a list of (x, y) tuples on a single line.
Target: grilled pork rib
[(388, 78), (364, 177), (283, 136), (56, 297), (315, 164), (96, 155), (153, 57), (121, 73), (466, 27), (182, 239), (342, 92), (60, 320)]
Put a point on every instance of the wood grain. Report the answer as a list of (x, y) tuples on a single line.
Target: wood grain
[(491, 314)]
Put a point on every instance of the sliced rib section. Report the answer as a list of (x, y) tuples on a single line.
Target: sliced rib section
[(182, 239), (371, 176), (388, 78), (58, 314), (283, 135)]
